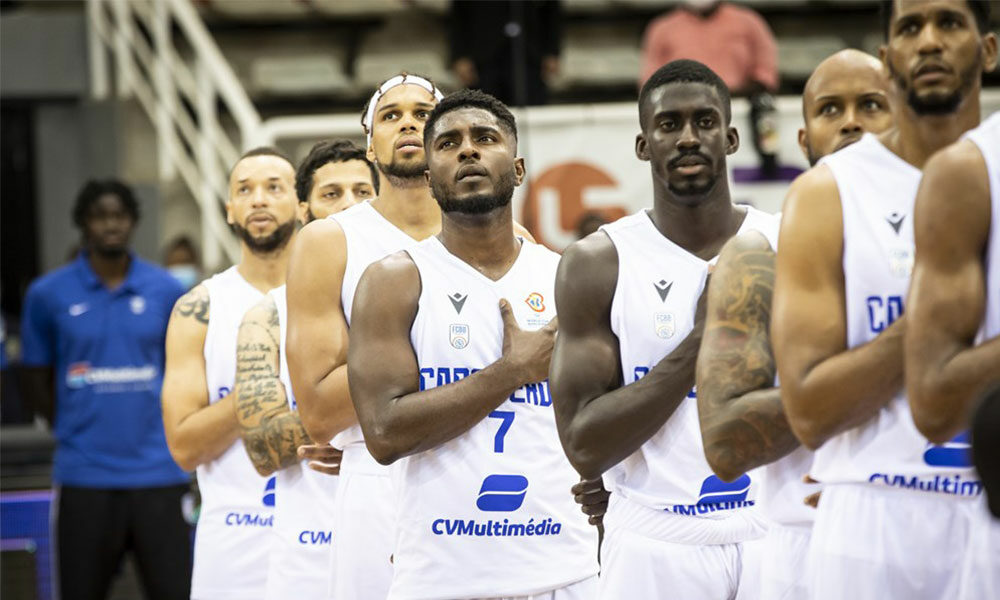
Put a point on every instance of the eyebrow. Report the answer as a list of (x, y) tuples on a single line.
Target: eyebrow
[(394, 105), (246, 179)]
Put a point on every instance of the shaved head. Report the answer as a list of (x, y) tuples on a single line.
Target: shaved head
[(845, 97)]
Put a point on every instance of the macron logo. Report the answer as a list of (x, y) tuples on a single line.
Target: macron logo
[(663, 289), (502, 493), (458, 301), (895, 220)]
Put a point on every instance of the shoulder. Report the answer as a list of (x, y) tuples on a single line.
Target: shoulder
[(588, 272), (265, 311), (321, 232), (391, 286), (817, 187), (961, 163), (194, 303), (53, 281), (747, 241), (395, 269)]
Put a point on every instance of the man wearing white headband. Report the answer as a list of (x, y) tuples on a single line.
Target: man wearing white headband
[(325, 267)]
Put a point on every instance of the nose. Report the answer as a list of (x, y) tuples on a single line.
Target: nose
[(259, 198), (688, 139), (408, 122), (467, 150), (851, 123), (929, 41)]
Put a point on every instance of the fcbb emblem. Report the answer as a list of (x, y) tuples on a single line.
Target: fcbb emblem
[(535, 302), (664, 324), (458, 335)]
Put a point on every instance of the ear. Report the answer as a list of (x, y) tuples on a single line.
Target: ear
[(229, 212), (519, 171), (883, 55), (732, 141), (989, 52), (804, 142), (302, 212), (427, 177), (370, 154), (641, 147)]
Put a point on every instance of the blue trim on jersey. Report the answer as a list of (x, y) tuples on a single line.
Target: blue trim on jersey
[(106, 348)]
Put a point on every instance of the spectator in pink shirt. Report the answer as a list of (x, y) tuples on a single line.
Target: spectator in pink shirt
[(733, 41)]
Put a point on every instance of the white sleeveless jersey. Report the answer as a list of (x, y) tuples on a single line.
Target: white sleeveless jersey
[(653, 310), (489, 513), (303, 536), (233, 537), (369, 237), (877, 192), (987, 138)]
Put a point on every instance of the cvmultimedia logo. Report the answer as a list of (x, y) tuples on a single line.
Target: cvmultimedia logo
[(502, 493), (956, 452), (716, 491), (268, 499)]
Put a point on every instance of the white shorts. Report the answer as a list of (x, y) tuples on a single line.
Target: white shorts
[(870, 543), (981, 571), (581, 590), (783, 558), (364, 537)]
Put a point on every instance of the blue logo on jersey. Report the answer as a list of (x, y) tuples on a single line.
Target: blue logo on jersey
[(502, 493), (956, 452), (269, 491), (882, 312), (715, 490)]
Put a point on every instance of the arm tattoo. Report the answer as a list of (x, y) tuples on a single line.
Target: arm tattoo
[(747, 426), (271, 432), (194, 304)]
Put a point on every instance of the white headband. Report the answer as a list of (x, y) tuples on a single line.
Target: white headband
[(388, 85)]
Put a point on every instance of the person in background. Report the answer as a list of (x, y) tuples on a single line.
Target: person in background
[(508, 49), (736, 43), (93, 335), (588, 224), (181, 259)]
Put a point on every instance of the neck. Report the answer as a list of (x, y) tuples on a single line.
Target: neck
[(702, 228), (486, 242), (111, 269), (409, 207), (264, 271), (916, 137)]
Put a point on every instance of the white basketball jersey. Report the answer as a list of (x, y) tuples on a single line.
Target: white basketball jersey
[(987, 138), (303, 534), (653, 310), (877, 192), (233, 537), (489, 513), (369, 237)]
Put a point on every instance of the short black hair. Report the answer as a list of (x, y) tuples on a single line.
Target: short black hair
[(470, 99), (324, 152), (980, 10), (262, 151), (94, 189), (686, 71)]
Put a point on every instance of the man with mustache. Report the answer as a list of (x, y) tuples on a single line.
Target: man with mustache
[(897, 511), (233, 537), (335, 175), (743, 424), (448, 385), (631, 306)]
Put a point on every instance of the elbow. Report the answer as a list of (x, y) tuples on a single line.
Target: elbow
[(185, 460), (809, 433), (937, 428), (724, 463), (583, 458), (383, 444), (934, 411)]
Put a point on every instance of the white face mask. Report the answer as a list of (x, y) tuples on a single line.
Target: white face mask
[(188, 275)]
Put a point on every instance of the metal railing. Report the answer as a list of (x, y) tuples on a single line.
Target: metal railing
[(181, 91)]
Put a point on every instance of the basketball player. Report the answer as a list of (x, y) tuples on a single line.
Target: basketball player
[(952, 342), (631, 308), (233, 535), (447, 383), (334, 176), (894, 519), (743, 425)]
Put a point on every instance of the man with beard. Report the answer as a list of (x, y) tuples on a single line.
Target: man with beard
[(233, 535), (447, 383), (743, 424), (93, 334), (334, 176), (897, 511), (631, 309)]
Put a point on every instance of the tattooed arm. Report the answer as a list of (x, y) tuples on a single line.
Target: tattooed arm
[(197, 432), (271, 432), (743, 425)]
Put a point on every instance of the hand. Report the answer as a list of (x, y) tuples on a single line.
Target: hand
[(527, 352), (466, 72), (322, 458), (592, 498)]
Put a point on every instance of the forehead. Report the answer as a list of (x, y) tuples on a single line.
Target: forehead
[(845, 80), (405, 95), (107, 202), (902, 8), (467, 118), (681, 97), (262, 167), (347, 172)]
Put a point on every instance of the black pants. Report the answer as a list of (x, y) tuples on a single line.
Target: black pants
[(95, 527)]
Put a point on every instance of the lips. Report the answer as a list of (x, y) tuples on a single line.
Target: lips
[(259, 219), (410, 143), (470, 171), (930, 69), (688, 162)]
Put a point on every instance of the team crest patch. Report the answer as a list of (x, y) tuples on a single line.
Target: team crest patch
[(901, 262), (535, 302), (137, 304), (458, 335), (664, 325)]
